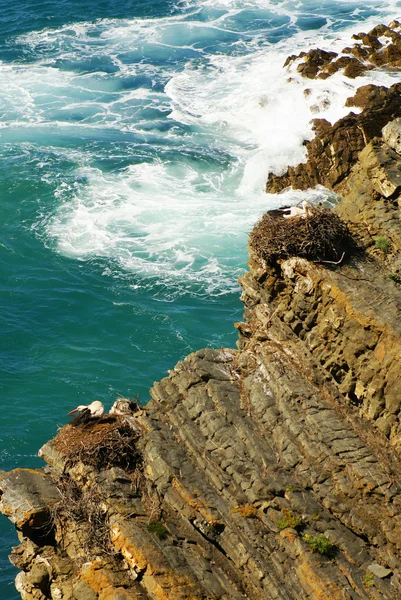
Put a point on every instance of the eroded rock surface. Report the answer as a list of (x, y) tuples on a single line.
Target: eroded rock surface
[(335, 148), (244, 456)]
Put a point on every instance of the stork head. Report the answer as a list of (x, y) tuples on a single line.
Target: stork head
[(79, 408)]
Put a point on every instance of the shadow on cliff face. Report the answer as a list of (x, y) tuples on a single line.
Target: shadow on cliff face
[(321, 236)]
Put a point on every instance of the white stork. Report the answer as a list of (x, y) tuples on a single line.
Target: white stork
[(87, 412), (289, 212), (123, 406)]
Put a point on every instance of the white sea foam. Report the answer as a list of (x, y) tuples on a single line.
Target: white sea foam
[(151, 219), (205, 100)]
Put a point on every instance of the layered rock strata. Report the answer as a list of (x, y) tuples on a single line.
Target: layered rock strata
[(245, 457), (267, 472)]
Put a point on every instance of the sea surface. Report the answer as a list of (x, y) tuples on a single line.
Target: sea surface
[(135, 138)]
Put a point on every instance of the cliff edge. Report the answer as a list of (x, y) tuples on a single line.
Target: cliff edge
[(271, 471)]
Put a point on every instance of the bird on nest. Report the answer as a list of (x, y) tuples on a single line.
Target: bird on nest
[(123, 406), (87, 413), (289, 212)]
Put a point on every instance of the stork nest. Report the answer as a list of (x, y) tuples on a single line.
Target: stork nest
[(81, 517), (83, 512), (321, 237), (105, 443)]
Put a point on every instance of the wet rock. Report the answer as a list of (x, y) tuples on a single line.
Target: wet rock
[(388, 56), (368, 52), (334, 150), (355, 68), (368, 95), (351, 65), (313, 61)]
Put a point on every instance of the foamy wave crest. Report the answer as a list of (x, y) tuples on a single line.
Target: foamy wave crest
[(162, 223), (155, 221), (188, 114)]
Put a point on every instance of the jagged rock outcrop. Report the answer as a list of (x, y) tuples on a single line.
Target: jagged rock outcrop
[(335, 148), (271, 471), (246, 456), (380, 47)]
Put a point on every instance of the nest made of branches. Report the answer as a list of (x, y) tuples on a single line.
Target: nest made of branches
[(81, 517), (102, 444), (322, 236), (84, 513)]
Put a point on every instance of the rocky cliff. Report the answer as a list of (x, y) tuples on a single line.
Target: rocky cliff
[(267, 472)]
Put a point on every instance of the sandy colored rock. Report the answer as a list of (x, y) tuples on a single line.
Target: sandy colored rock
[(26, 495), (392, 135), (379, 571), (382, 166)]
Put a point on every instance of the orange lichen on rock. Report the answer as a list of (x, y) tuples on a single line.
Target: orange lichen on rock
[(317, 580), (195, 502)]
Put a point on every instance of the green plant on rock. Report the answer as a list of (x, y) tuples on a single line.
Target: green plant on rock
[(368, 580), (319, 543), (158, 529), (394, 277), (383, 243), (289, 519)]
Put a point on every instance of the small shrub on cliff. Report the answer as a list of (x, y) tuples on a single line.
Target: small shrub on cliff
[(321, 236), (158, 529), (290, 519), (319, 543), (383, 244), (394, 277), (369, 580)]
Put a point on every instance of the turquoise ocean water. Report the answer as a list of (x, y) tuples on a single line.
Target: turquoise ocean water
[(135, 139)]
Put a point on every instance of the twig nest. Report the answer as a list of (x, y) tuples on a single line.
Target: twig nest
[(108, 442), (319, 236)]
